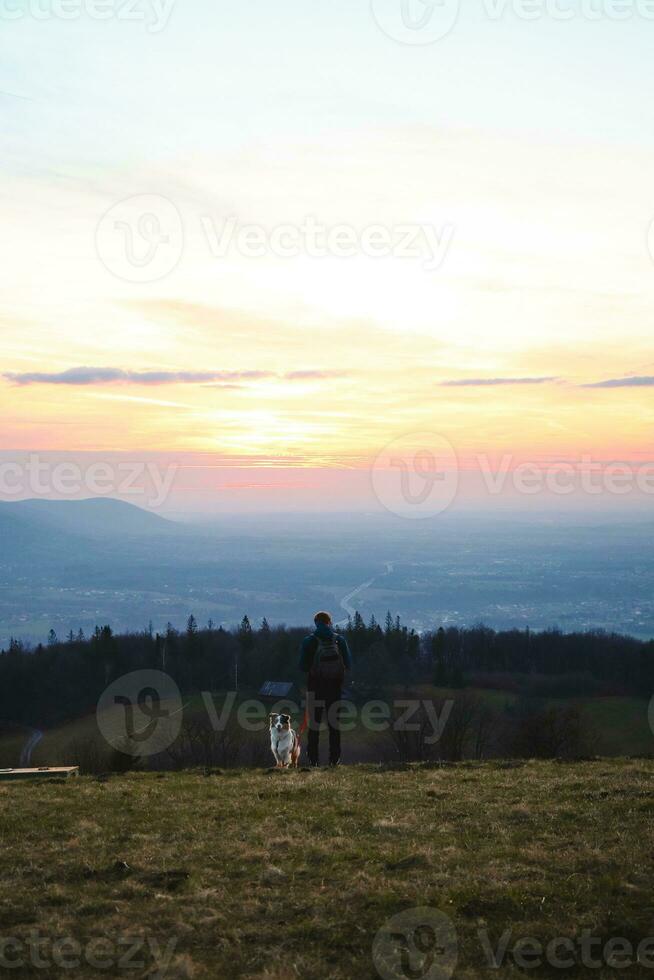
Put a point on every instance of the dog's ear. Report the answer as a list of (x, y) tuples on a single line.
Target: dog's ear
[(286, 719), (271, 716)]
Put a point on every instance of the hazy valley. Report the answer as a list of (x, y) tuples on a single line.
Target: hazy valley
[(72, 565)]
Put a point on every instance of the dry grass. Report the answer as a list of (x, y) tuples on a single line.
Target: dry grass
[(266, 876)]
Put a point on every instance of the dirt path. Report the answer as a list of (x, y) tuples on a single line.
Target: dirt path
[(28, 748)]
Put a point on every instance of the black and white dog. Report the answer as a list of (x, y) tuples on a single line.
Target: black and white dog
[(284, 742)]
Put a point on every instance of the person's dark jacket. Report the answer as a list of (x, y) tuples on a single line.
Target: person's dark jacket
[(310, 645)]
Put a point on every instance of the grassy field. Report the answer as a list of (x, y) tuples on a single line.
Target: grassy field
[(293, 874)]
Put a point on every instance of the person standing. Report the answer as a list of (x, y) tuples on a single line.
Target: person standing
[(324, 657)]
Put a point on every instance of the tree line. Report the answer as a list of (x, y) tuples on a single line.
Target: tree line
[(63, 679)]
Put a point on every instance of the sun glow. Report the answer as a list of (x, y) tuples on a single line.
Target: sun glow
[(306, 289)]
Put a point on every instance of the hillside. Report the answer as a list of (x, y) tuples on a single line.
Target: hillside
[(277, 875), (94, 517), (71, 564), (612, 727)]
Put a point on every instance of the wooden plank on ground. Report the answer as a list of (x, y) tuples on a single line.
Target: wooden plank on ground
[(45, 772)]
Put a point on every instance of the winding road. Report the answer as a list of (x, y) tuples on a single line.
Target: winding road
[(346, 601)]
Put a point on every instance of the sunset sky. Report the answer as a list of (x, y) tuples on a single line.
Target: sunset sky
[(522, 145)]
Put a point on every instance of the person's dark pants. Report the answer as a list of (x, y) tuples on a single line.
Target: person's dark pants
[(320, 704)]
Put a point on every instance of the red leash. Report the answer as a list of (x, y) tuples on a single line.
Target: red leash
[(305, 721)]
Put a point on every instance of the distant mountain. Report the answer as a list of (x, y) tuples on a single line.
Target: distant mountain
[(25, 521)]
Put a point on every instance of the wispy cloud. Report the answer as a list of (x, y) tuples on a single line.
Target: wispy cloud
[(646, 381), (495, 382), (106, 376), (14, 95), (317, 375)]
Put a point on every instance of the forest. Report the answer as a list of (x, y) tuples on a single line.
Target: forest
[(63, 678)]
